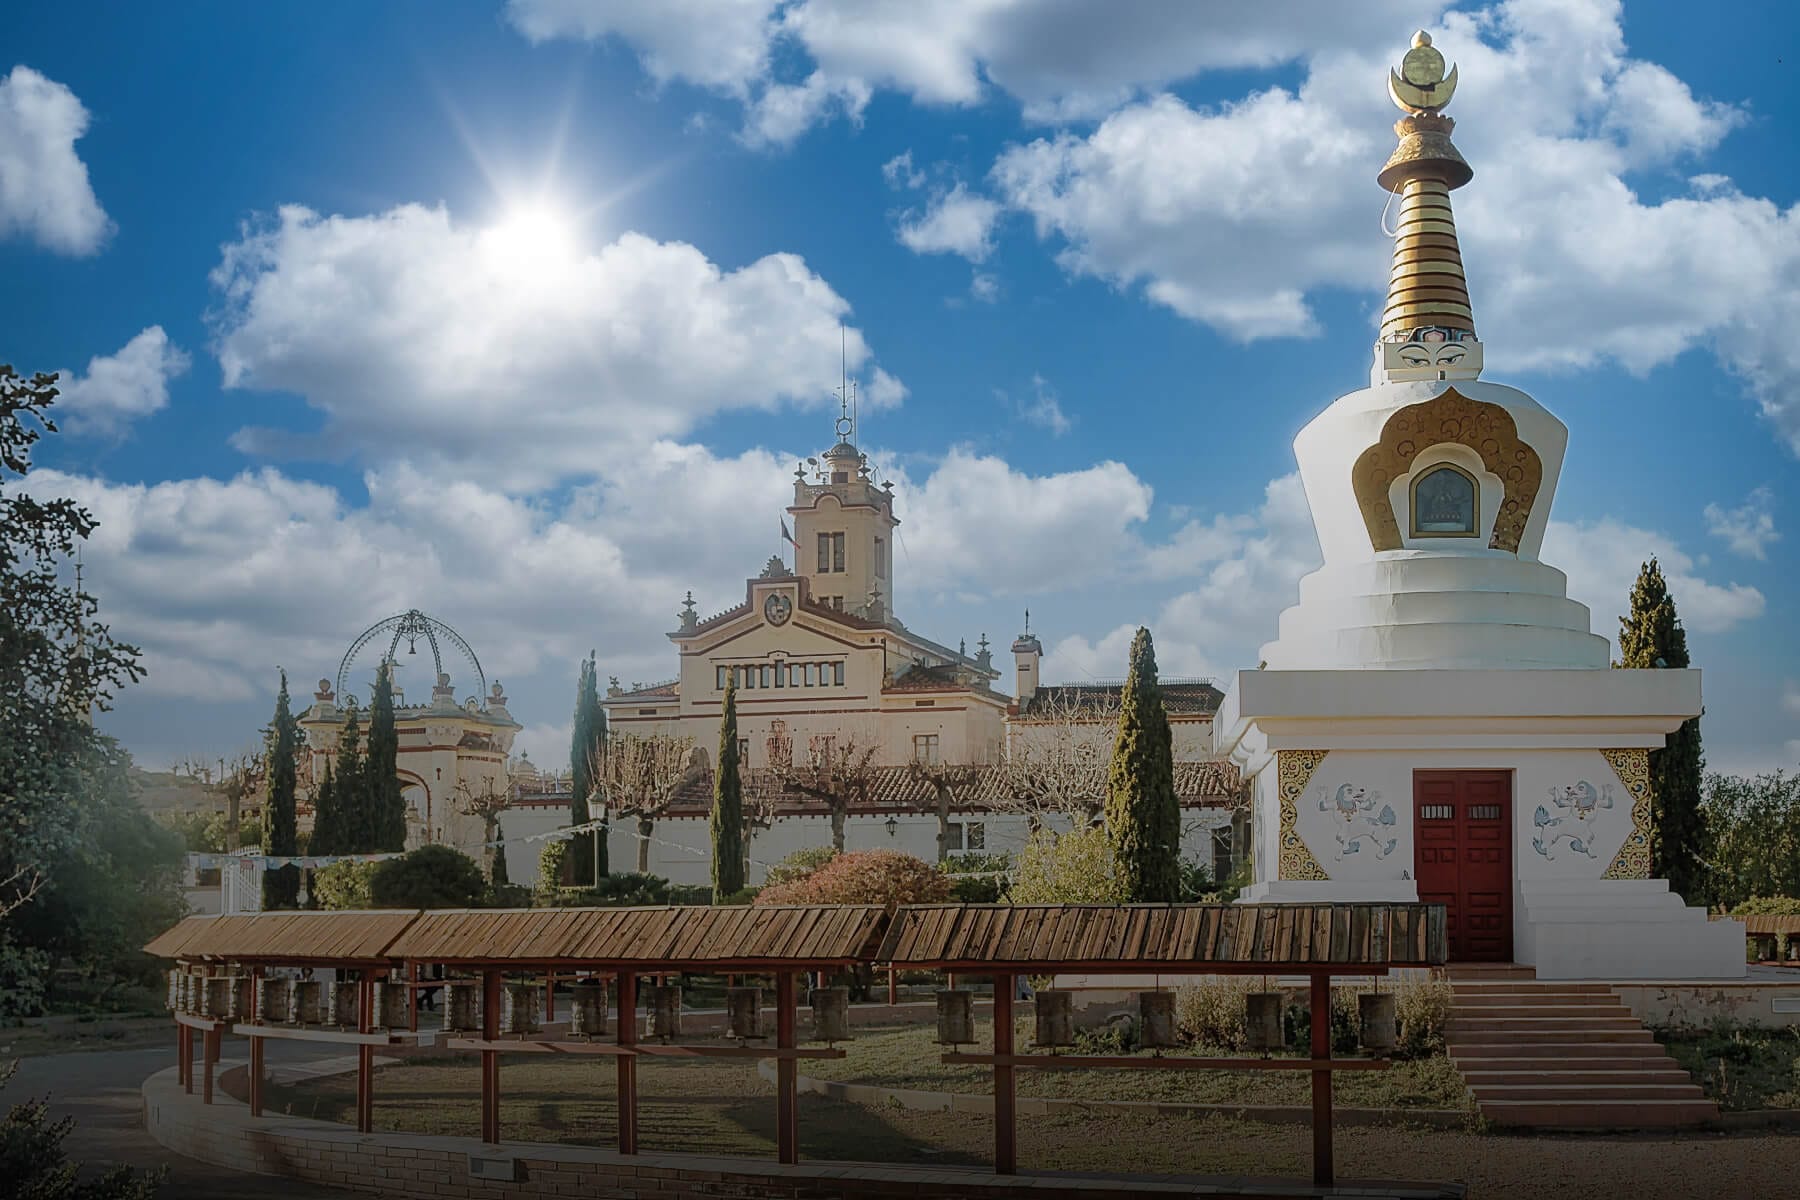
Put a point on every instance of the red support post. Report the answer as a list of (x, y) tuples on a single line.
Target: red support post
[(549, 996), (627, 1064), (184, 1058), (1321, 1080), (1006, 1120), (490, 1059), (412, 996), (787, 1097), (209, 1054), (256, 1076), (365, 1054)]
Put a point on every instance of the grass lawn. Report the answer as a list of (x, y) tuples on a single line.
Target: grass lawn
[(1741, 1068), (907, 1057), (724, 1108)]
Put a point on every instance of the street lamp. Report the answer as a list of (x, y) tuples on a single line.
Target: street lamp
[(893, 825)]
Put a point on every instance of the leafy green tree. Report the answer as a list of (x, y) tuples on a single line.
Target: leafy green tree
[(429, 877), (1651, 636), (350, 780), (587, 741), (728, 805), (1143, 815), (1753, 837), (386, 807), (328, 818), (344, 884), (1077, 867), (281, 886)]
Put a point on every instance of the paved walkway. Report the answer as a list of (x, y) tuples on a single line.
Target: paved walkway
[(102, 1090)]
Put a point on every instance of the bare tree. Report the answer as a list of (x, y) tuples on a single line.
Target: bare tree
[(17, 889), (487, 802), (639, 776), (838, 772), (953, 785), (235, 779), (1057, 761)]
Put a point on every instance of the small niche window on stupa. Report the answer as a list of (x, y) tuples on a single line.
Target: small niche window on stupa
[(1445, 500)]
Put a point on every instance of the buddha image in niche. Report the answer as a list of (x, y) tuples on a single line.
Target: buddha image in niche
[(1444, 503)]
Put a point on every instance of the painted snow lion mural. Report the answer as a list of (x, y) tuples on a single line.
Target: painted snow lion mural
[(1359, 820), (1575, 819)]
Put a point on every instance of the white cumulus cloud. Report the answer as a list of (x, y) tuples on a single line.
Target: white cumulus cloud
[(44, 190), (957, 221), (1747, 529), (117, 389), (1602, 559)]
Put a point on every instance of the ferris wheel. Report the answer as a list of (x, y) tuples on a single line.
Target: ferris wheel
[(412, 627)]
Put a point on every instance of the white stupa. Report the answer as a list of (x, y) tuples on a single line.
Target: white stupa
[(1435, 719)]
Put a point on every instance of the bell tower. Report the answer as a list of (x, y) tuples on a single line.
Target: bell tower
[(844, 527)]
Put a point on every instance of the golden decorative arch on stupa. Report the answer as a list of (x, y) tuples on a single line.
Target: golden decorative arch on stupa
[(1449, 418)]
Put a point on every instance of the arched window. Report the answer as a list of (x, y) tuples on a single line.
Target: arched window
[(1445, 502)]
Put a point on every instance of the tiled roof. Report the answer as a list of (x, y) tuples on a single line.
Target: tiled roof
[(1180, 698), (657, 691)]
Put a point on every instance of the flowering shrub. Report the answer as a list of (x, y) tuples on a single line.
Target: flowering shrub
[(864, 877)]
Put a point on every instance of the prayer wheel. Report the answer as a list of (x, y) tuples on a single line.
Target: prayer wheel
[(272, 999), (346, 1004), (1262, 1021), (220, 999), (390, 1004), (955, 1017), (664, 1016), (307, 1003), (744, 1007), (174, 999), (1379, 1026), (462, 1009), (521, 1007), (1056, 1017), (587, 1009), (831, 1014), (1156, 1020)]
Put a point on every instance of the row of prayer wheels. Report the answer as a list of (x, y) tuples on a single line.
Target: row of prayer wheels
[(276, 1000), (1378, 1026)]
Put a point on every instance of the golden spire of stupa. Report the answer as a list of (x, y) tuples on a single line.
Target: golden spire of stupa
[(1428, 298)]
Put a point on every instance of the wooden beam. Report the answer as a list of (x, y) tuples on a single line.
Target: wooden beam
[(610, 1050), (1321, 1080), (209, 1054), (340, 1037), (256, 1076), (627, 1063), (365, 1054), (490, 1060), (787, 1096), (1089, 1062), (1006, 1117)]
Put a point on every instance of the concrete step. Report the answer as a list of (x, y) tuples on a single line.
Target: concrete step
[(1610, 1073), (1501, 1009), (1584, 1114), (1518, 1032), (1587, 1091), (1552, 1053), (1471, 990), (1516, 1025)]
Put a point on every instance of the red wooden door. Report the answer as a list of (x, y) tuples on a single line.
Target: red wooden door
[(1463, 858)]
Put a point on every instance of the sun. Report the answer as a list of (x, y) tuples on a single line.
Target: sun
[(531, 240)]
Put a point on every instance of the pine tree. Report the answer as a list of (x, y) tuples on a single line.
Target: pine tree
[(587, 739), (728, 806), (1143, 817), (386, 808), (1651, 637), (327, 830), (281, 887), (354, 832)]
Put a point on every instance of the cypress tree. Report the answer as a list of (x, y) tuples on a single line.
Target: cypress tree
[(281, 887), (1651, 637), (386, 811), (497, 877), (587, 738), (327, 830), (353, 830), (728, 805), (1143, 817)]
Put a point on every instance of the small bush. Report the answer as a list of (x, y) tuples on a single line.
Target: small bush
[(344, 884), (1211, 1013), (1070, 868), (688, 893), (552, 860), (626, 889), (1118, 1036), (986, 876), (741, 896), (1422, 1005), (429, 877), (799, 865), (864, 877), (1345, 1020), (1768, 906)]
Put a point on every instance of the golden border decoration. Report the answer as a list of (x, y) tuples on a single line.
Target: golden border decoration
[(1449, 417), (1293, 771), (1633, 769)]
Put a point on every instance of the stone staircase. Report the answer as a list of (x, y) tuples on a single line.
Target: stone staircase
[(1564, 1056)]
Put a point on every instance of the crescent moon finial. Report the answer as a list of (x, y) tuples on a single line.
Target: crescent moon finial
[(1420, 85)]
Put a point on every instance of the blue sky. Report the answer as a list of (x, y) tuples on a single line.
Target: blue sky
[(521, 314)]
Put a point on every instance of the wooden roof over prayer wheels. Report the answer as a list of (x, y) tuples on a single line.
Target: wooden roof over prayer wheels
[(292, 937)]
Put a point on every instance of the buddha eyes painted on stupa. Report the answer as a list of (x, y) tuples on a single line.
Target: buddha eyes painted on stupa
[(1444, 503)]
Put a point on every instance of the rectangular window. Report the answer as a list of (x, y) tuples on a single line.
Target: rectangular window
[(881, 558), (955, 839), (767, 680), (975, 836), (812, 675), (837, 674), (1222, 861), (720, 673), (1437, 812), (794, 675), (747, 675), (646, 712), (780, 674), (925, 749), (831, 552), (744, 751), (1484, 812)]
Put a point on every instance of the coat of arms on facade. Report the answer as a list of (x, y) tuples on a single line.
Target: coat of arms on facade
[(1360, 820), (1575, 820)]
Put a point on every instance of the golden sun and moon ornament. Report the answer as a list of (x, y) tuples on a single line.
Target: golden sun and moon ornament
[(1420, 85)]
